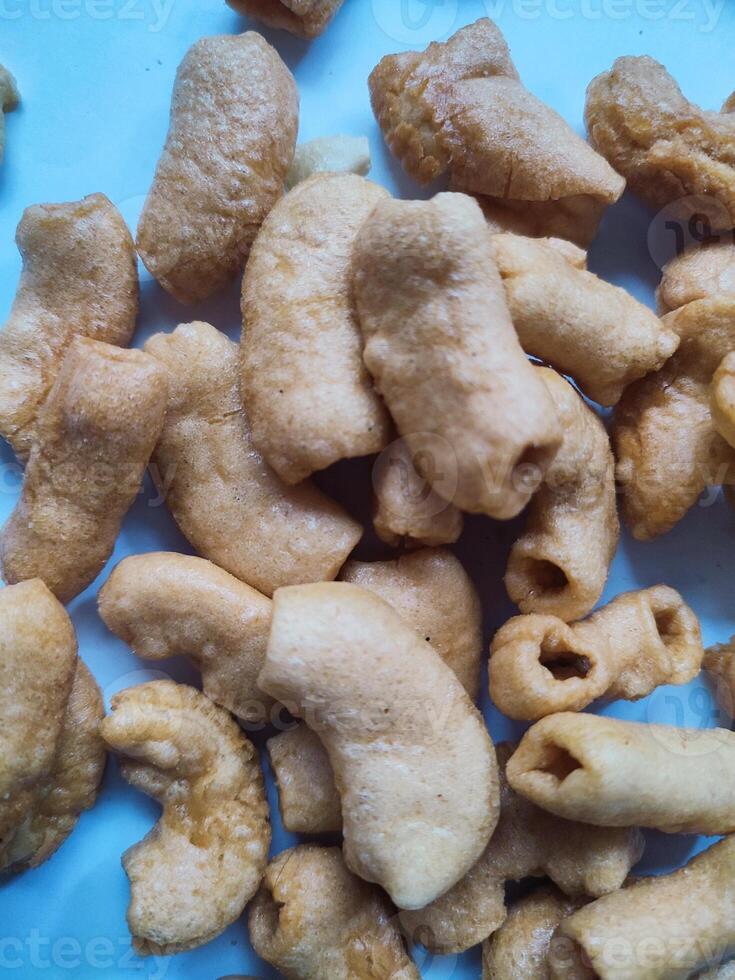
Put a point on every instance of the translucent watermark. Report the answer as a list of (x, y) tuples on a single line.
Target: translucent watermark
[(68, 954), (690, 222), (152, 14)]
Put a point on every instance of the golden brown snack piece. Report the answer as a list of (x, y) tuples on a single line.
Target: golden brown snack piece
[(539, 664), (584, 327), (413, 762), (231, 139), (528, 842), (719, 661), (96, 433), (162, 604), (306, 390), (559, 565), (573, 219), (226, 500), (615, 773), (313, 919), (329, 154), (432, 307), (460, 107), (9, 99), (306, 18), (79, 280), (307, 794), (722, 398), (192, 875), (660, 928), (698, 273), (665, 146)]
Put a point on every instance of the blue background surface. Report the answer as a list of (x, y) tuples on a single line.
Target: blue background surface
[(95, 78)]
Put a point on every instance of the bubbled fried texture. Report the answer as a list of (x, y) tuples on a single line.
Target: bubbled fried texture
[(307, 794), (705, 272), (231, 139), (305, 18), (313, 919), (192, 875), (79, 280), (222, 494)]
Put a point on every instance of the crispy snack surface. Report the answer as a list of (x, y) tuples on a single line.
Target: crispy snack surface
[(307, 794), (231, 138), (306, 18), (719, 661), (704, 272)]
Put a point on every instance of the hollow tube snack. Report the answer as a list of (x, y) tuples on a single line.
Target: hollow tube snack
[(306, 391), (193, 874), (431, 306), (560, 563), (540, 665), (226, 500), (313, 919), (307, 795), (96, 433), (79, 279), (413, 762), (162, 604), (305, 18), (329, 154), (615, 773), (9, 100), (231, 139)]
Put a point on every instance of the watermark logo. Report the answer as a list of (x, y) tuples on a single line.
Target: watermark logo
[(415, 22), (153, 15)]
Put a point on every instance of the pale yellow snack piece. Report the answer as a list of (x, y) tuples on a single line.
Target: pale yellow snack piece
[(305, 388), (559, 565), (306, 18), (413, 762), (96, 433), (193, 874), (79, 280), (615, 773), (307, 794), (231, 139), (441, 347), (698, 273), (666, 927), (539, 664), (313, 919), (225, 498), (162, 604), (329, 154), (9, 100)]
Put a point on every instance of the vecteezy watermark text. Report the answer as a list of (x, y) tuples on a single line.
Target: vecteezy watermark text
[(153, 14)]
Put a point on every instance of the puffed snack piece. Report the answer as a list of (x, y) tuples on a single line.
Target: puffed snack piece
[(413, 762), (719, 662), (222, 494), (305, 388), (431, 306), (560, 563), (460, 107), (312, 919), (96, 433), (51, 758), (162, 604), (9, 100), (329, 154), (540, 665), (665, 146), (700, 272), (305, 18), (193, 874), (614, 773), (307, 794), (231, 139), (78, 280)]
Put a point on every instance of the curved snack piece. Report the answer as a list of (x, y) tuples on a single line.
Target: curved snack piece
[(329, 154), (162, 604), (704, 272), (431, 306), (460, 107), (540, 665), (559, 565), (79, 280), (583, 861), (307, 794), (231, 139), (584, 327), (96, 433), (666, 147), (306, 18), (226, 500), (414, 764), (722, 398), (306, 391), (659, 928), (9, 100), (615, 773), (313, 919), (192, 875)]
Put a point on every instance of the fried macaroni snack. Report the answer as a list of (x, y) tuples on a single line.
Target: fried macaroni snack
[(78, 280), (313, 919), (432, 309), (162, 604), (413, 762), (9, 100), (460, 107), (559, 565), (193, 874), (307, 794), (329, 154), (540, 665), (306, 390), (231, 139), (226, 500), (615, 773), (306, 18), (96, 433)]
